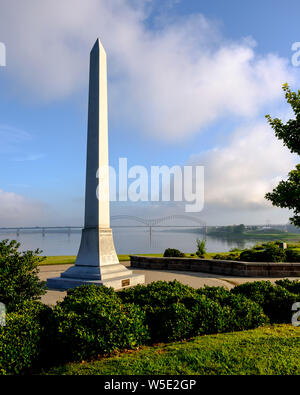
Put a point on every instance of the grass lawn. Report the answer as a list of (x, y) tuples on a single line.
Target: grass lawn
[(251, 235), (70, 260), (273, 236), (58, 260), (270, 350)]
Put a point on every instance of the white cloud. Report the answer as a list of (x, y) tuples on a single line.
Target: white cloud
[(240, 173), (16, 210), (170, 82)]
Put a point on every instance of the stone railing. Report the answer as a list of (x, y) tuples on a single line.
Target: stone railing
[(214, 266)]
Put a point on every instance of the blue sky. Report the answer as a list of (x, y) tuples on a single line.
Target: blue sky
[(189, 82)]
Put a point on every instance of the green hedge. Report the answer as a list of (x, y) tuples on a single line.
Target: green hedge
[(269, 252), (275, 300), (158, 294), (265, 252), (93, 320), (175, 311), (242, 314), (24, 337), (168, 308), (291, 286), (172, 252), (292, 255), (232, 256)]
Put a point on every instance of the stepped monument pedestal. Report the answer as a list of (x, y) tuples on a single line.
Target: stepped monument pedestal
[(97, 261)]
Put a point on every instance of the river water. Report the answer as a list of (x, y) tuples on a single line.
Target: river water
[(127, 241)]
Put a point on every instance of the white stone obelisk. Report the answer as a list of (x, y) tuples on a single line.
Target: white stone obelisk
[(97, 261)]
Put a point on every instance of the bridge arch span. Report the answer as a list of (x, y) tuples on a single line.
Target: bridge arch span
[(157, 221)]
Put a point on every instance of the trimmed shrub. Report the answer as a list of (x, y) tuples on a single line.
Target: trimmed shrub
[(19, 279), (170, 323), (158, 294), (289, 285), (175, 311), (87, 291), (210, 316), (170, 308), (276, 301), (24, 337), (197, 316), (233, 256), (173, 253), (292, 255), (243, 313), (265, 252), (93, 320), (269, 252), (218, 294)]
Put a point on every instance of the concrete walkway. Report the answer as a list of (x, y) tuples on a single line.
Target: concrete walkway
[(195, 280)]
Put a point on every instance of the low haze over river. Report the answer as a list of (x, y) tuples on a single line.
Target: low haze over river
[(127, 241)]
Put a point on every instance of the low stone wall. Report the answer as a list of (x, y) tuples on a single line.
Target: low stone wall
[(232, 268)]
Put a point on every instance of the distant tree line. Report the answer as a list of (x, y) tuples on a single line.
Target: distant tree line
[(234, 229)]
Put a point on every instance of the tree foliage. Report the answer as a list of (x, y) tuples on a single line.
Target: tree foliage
[(19, 279), (287, 193), (201, 251)]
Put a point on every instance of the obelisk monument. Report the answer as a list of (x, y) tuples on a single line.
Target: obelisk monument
[(97, 261)]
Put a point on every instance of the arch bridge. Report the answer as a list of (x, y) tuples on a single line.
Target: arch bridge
[(144, 222), (162, 220)]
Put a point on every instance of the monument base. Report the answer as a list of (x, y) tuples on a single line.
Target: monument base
[(118, 283), (97, 263)]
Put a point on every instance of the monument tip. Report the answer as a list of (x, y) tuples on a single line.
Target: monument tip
[(97, 45)]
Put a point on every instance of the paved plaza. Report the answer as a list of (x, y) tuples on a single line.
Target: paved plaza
[(195, 280)]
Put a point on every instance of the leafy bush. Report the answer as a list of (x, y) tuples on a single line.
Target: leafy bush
[(170, 323), (92, 320), (173, 253), (291, 286), (275, 300), (218, 294), (210, 317), (201, 251), (269, 252), (292, 255), (158, 294), (242, 313), (265, 252), (24, 337), (175, 311), (19, 279), (233, 256)]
